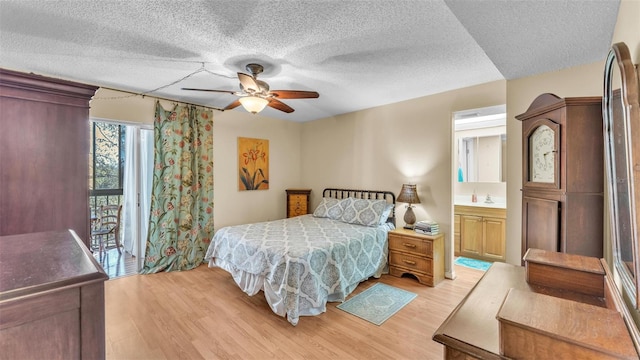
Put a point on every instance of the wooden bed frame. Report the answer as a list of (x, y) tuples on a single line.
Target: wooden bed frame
[(364, 194)]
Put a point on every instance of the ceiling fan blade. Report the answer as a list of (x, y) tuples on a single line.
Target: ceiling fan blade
[(294, 94), (212, 90), (248, 82), (279, 105), (233, 105)]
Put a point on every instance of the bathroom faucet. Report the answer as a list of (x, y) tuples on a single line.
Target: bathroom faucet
[(488, 200)]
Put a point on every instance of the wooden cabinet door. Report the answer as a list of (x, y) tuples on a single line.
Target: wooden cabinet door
[(44, 149), (494, 238), (471, 234), (456, 235), (540, 224)]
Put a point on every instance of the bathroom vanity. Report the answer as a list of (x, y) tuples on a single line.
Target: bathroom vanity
[(480, 230)]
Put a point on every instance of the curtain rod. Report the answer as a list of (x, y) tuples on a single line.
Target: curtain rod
[(156, 97)]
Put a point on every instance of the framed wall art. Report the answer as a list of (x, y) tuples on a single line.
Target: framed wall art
[(253, 164)]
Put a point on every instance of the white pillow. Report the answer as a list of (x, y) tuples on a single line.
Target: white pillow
[(362, 211), (329, 208)]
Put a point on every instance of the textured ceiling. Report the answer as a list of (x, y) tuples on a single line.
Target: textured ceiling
[(356, 54)]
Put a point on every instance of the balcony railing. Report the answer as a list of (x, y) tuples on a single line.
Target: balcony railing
[(98, 198)]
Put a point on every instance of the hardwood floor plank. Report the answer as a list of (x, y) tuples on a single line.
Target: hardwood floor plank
[(202, 314), (116, 264)]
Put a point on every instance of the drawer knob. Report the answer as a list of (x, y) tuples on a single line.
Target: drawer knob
[(409, 245), (409, 262)]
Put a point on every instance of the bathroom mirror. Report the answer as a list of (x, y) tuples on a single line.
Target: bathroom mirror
[(481, 141), (621, 115)]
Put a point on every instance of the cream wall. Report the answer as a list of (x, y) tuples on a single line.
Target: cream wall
[(379, 148), (577, 81), (231, 206), (239, 207), (628, 28), (411, 141), (586, 80), (382, 148)]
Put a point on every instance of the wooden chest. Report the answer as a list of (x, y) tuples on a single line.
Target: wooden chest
[(297, 202)]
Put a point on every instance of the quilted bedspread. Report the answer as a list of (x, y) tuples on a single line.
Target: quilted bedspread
[(302, 262)]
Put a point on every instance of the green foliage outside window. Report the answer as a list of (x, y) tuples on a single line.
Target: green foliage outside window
[(106, 163)]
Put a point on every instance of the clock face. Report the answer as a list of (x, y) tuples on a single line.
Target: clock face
[(542, 155)]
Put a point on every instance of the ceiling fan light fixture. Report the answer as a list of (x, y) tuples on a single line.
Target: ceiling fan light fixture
[(253, 104), (254, 94)]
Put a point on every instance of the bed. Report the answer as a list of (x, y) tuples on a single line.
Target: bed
[(301, 263)]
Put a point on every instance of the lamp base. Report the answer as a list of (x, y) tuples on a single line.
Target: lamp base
[(409, 218)]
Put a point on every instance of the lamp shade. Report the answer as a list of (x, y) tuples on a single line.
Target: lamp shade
[(253, 104), (408, 194)]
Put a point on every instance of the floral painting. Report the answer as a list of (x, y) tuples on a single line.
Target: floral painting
[(253, 164)]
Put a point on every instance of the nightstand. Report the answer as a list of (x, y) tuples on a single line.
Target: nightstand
[(419, 255), (297, 202)]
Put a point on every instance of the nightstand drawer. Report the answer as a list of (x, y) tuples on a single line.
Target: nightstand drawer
[(413, 245), (407, 261)]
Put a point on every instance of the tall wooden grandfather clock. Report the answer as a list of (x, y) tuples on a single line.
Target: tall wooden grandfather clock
[(563, 175)]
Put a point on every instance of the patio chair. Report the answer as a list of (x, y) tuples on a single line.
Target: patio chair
[(106, 232)]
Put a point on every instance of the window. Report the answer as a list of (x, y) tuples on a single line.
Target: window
[(106, 164)]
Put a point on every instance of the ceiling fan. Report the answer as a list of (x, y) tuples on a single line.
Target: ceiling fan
[(255, 94)]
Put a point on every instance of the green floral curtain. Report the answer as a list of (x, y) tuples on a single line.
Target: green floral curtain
[(181, 220)]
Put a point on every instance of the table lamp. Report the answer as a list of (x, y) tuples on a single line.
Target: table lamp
[(409, 195)]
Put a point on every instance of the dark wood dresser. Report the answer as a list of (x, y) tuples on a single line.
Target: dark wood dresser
[(51, 298)]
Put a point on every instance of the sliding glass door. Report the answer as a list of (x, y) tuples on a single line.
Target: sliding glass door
[(120, 174)]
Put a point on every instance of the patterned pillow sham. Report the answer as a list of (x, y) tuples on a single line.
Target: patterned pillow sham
[(385, 213), (362, 211), (329, 208)]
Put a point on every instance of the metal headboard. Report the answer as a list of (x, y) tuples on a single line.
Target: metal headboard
[(364, 194)]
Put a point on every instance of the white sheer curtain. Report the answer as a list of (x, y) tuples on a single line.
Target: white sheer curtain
[(146, 176), (138, 170), (129, 192)]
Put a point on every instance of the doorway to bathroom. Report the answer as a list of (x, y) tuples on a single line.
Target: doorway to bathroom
[(479, 183)]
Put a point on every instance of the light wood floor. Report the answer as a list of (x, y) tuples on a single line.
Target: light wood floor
[(202, 314)]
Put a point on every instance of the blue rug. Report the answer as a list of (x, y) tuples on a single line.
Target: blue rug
[(377, 303), (472, 263)]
